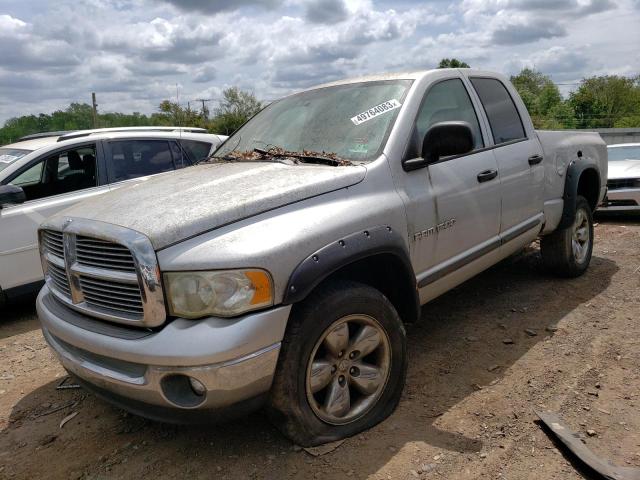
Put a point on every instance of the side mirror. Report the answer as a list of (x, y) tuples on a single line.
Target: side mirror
[(11, 194), (447, 138), (442, 140)]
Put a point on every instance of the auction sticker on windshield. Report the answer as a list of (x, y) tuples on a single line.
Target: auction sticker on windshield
[(373, 112), (8, 158)]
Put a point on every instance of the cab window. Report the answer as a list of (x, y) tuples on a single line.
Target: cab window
[(63, 172), (504, 119), (445, 101)]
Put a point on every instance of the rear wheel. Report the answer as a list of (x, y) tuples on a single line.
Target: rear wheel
[(342, 365), (567, 252)]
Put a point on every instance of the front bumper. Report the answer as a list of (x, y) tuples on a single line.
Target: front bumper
[(234, 360), (624, 199)]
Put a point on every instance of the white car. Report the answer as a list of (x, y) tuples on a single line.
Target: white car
[(624, 178), (44, 175)]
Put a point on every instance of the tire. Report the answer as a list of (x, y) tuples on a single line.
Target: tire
[(558, 253), (310, 415)]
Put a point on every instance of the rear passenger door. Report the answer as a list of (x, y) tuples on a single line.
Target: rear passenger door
[(519, 157), (133, 159)]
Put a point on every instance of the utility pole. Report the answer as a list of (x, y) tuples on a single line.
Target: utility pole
[(95, 110), (205, 110)]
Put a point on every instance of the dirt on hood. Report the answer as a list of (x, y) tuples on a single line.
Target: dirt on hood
[(177, 205)]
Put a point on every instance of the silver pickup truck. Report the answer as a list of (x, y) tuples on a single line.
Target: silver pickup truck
[(283, 271)]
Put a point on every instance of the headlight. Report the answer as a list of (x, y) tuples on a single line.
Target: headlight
[(221, 293)]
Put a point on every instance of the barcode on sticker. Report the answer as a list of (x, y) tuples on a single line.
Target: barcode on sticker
[(373, 112)]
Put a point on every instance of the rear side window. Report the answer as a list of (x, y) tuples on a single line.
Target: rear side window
[(196, 150), (137, 158), (506, 124)]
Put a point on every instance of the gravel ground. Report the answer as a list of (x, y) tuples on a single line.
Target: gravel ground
[(484, 357)]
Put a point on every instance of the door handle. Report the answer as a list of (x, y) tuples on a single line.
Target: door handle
[(535, 159), (487, 175)]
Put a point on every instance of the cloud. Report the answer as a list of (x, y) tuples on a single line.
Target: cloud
[(559, 61), (132, 53), (524, 32), (205, 74), (215, 6), (326, 11)]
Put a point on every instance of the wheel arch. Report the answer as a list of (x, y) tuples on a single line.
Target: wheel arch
[(376, 257), (582, 180)]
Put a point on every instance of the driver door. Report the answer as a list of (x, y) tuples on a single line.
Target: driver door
[(465, 189)]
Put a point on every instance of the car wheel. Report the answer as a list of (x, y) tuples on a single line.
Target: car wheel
[(567, 252), (342, 365)]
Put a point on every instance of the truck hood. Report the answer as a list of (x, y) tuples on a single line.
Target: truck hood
[(624, 169), (177, 205)]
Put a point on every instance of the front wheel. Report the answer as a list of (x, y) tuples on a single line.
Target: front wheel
[(567, 252), (342, 365)]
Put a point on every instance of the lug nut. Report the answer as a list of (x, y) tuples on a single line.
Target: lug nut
[(341, 353), (333, 369), (352, 355), (341, 380)]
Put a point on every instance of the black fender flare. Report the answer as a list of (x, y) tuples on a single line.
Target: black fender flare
[(356, 246), (574, 172)]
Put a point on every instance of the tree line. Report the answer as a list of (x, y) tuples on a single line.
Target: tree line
[(235, 107), (599, 102)]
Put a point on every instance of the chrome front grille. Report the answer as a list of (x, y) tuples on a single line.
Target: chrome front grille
[(102, 254), (116, 296), (59, 278), (112, 275), (53, 242)]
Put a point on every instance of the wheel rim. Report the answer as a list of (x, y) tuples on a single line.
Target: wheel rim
[(580, 237), (348, 369)]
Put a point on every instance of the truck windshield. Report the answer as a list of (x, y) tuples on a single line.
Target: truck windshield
[(349, 121), (10, 155), (624, 153)]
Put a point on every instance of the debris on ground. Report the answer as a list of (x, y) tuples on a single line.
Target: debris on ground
[(575, 445), (67, 418), (323, 449), (64, 385)]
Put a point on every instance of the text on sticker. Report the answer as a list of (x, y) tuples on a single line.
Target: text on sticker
[(7, 158), (373, 112)]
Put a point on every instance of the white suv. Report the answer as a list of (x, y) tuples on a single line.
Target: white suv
[(44, 175)]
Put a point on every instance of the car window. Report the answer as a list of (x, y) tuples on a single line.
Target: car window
[(624, 153), (446, 101), (10, 155), (196, 150), (137, 158), (63, 172), (504, 119), (30, 176), (180, 158)]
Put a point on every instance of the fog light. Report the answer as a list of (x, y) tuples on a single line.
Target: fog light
[(197, 387)]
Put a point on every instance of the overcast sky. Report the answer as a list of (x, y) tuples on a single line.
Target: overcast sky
[(132, 53)]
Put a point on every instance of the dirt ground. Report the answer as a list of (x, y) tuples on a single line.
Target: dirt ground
[(487, 354)]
